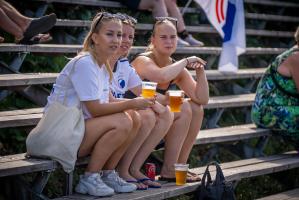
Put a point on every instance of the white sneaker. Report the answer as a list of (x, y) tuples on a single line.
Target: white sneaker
[(93, 185), (113, 180), (182, 43), (193, 42)]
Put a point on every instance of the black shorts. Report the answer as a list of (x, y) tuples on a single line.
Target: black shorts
[(132, 4)]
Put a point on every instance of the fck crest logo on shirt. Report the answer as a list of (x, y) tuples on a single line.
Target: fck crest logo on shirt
[(121, 83)]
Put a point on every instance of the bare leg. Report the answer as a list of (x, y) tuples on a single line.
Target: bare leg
[(147, 123), (157, 7), (21, 20), (164, 121), (1, 39), (10, 26), (116, 156), (197, 117), (175, 138), (103, 135), (174, 11)]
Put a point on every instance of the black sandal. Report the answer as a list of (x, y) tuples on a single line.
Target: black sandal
[(161, 178), (36, 26)]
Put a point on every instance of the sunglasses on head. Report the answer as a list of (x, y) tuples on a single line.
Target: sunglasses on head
[(108, 16), (128, 18), (162, 19)]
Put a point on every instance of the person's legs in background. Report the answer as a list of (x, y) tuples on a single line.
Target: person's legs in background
[(21, 26), (173, 11), (9, 25)]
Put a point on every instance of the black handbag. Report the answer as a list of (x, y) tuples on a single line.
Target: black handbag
[(217, 189)]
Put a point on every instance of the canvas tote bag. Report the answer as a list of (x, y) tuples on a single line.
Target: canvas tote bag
[(58, 134)]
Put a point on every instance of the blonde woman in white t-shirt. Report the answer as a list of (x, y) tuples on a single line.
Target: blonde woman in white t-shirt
[(108, 123), (155, 121)]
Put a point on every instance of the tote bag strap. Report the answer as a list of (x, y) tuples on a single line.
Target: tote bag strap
[(69, 75)]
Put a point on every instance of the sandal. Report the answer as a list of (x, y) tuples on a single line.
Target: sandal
[(192, 179), (149, 183), (137, 184), (38, 39), (161, 178), (39, 25)]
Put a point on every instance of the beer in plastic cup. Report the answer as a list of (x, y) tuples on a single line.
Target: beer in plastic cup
[(180, 173), (175, 100), (148, 89)]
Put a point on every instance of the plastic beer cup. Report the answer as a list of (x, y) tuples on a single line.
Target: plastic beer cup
[(175, 100), (148, 89), (180, 173)]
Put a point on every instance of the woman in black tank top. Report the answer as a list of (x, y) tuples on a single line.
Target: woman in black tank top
[(157, 65)]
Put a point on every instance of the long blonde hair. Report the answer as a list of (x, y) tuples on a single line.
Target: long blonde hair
[(150, 47), (88, 44)]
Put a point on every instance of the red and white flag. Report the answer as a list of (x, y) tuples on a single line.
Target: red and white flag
[(227, 16)]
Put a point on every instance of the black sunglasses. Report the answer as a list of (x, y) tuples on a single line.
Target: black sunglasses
[(162, 19), (108, 16), (129, 18)]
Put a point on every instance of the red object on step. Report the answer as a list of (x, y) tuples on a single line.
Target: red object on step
[(150, 170)]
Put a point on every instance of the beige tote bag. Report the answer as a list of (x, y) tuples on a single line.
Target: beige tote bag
[(58, 135)]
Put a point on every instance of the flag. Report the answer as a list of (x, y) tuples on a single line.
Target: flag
[(227, 16)]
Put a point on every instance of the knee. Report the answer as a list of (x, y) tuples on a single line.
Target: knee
[(167, 116), (186, 111), (148, 118), (124, 124), (158, 4)]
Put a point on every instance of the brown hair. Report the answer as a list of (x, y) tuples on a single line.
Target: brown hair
[(88, 44), (150, 47), (296, 35)]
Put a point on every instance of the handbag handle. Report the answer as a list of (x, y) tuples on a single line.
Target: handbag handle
[(207, 180)]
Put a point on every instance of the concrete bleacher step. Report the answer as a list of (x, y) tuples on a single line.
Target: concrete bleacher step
[(233, 171), (30, 117), (197, 29), (116, 4), (64, 48), (12, 80), (287, 195)]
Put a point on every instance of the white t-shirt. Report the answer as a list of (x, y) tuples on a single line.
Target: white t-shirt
[(86, 82), (124, 78)]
